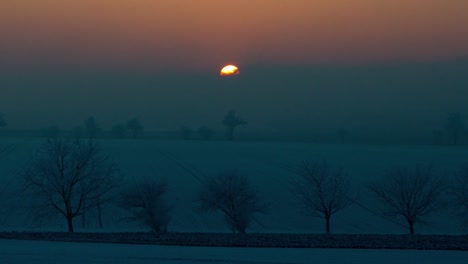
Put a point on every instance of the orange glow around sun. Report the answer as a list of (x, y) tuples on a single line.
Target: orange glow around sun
[(229, 70)]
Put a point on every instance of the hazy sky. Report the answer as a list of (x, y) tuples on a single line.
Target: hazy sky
[(159, 59), (204, 34)]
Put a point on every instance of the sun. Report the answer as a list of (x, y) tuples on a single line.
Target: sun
[(229, 70)]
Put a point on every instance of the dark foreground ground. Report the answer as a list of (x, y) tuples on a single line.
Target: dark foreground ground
[(421, 242)]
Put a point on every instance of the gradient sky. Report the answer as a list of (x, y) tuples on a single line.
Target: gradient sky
[(202, 34), (325, 62)]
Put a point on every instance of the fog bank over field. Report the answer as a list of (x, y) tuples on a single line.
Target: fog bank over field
[(380, 101)]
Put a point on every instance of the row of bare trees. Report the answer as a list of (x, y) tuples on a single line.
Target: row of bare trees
[(72, 176), (228, 193), (133, 128), (404, 193), (322, 191)]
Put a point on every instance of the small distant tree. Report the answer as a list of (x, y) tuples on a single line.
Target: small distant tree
[(146, 203), (135, 127), (3, 122), (186, 133), (232, 195), (70, 177), (342, 135), (455, 127), (232, 120), (459, 190), (322, 191), (205, 133), (119, 131), (410, 194), (92, 127)]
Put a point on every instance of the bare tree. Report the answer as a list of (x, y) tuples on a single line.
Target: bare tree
[(92, 127), (455, 127), (410, 194), (146, 203), (135, 127), (232, 195), (70, 176), (459, 190), (323, 191), (205, 133), (232, 120)]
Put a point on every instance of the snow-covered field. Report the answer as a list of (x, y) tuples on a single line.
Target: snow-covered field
[(35, 252), (262, 162)]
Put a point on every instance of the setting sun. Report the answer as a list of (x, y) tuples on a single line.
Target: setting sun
[(229, 70)]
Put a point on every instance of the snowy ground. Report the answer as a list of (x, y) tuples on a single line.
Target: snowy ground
[(362, 241), (33, 252)]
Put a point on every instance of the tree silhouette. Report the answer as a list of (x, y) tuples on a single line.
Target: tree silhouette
[(410, 194), (323, 191), (135, 127), (342, 135), (232, 121), (92, 127), (232, 195), (459, 191), (70, 177), (146, 203)]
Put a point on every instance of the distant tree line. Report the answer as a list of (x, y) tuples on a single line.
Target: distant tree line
[(133, 128), (453, 131)]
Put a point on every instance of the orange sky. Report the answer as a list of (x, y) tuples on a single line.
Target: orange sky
[(181, 34)]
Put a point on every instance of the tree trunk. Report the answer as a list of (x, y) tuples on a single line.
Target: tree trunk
[(411, 227), (83, 220), (327, 223), (100, 215), (70, 224), (241, 230), (83, 216)]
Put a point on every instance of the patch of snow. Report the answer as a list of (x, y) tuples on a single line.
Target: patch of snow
[(35, 252)]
